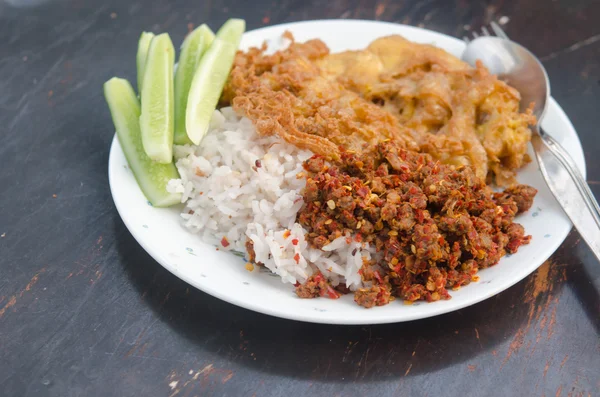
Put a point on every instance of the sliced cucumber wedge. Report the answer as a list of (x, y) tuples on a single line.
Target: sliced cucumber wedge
[(142, 53), (209, 79), (192, 49), (151, 176), (232, 31), (156, 120)]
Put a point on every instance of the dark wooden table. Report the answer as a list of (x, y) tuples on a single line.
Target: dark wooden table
[(84, 311)]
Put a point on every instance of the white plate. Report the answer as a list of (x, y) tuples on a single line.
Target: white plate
[(223, 275)]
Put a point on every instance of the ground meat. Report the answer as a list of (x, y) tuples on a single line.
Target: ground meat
[(316, 286), (311, 192), (252, 253), (434, 225), (405, 220), (522, 195), (516, 237), (315, 164), (346, 203), (458, 224), (377, 185), (377, 295), (250, 250), (319, 241), (428, 242), (389, 212)]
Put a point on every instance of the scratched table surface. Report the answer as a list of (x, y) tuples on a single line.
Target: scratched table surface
[(84, 311)]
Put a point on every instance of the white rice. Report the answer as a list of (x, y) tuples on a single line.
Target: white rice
[(228, 197)]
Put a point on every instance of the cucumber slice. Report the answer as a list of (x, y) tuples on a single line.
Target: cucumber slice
[(192, 49), (232, 31), (209, 79), (142, 53), (156, 120), (151, 176)]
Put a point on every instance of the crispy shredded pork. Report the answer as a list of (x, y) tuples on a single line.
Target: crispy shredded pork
[(417, 95)]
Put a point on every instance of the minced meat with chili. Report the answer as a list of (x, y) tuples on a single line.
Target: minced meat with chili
[(434, 225)]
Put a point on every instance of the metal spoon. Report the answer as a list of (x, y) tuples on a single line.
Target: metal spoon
[(521, 69)]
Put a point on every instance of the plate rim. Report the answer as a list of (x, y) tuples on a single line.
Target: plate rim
[(315, 317)]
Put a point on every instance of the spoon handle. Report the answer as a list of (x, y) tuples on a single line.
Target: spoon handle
[(569, 188)]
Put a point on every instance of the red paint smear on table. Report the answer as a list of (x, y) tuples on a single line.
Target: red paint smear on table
[(562, 363), (546, 367), (379, 10), (539, 298), (11, 302), (13, 299)]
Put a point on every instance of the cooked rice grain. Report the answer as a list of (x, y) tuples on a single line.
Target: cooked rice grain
[(238, 185)]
